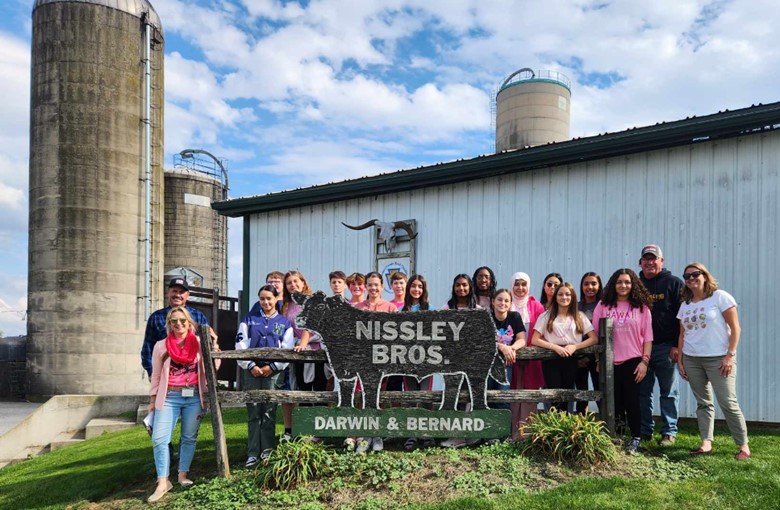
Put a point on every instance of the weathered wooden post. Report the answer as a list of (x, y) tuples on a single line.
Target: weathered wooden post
[(606, 374), (223, 465)]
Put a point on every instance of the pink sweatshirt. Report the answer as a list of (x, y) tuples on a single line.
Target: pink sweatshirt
[(533, 379), (631, 329), (381, 306)]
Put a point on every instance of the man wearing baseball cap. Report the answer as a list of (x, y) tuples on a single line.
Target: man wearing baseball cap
[(664, 288), (178, 293)]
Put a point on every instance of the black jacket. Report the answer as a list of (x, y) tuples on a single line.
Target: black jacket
[(665, 291)]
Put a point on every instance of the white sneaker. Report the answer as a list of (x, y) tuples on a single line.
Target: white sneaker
[(455, 442), (633, 446), (363, 445), (251, 462), (377, 444), (285, 437)]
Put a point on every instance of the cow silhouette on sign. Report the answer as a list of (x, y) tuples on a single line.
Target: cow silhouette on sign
[(368, 346)]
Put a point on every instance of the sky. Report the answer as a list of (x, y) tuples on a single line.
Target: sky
[(293, 93)]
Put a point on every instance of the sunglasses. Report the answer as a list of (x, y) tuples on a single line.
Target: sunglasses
[(552, 284), (180, 321), (692, 274)]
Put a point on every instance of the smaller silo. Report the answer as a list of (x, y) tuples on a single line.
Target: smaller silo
[(532, 108), (195, 234)]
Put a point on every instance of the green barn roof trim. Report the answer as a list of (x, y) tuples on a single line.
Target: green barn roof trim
[(725, 124)]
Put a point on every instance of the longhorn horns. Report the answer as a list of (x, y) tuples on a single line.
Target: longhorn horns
[(397, 224)]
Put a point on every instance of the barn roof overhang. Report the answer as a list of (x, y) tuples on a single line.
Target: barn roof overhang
[(692, 130)]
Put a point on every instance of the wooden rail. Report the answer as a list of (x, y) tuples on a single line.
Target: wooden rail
[(217, 398)]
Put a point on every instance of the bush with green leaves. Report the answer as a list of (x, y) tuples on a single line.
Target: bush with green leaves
[(293, 463), (570, 438)]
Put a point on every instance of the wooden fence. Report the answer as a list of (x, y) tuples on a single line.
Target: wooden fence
[(217, 398)]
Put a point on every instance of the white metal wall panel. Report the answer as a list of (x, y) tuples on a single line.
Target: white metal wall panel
[(713, 202)]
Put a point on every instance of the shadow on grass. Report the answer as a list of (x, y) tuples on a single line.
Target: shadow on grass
[(116, 464)]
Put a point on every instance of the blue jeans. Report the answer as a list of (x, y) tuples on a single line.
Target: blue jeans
[(493, 385), (191, 412), (663, 369)]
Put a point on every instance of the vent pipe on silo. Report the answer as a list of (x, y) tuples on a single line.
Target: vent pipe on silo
[(532, 108), (87, 276)]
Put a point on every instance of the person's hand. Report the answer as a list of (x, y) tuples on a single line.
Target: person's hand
[(299, 348), (571, 349), (640, 372), (682, 370), (726, 365), (150, 407), (674, 354), (256, 371), (509, 354), (560, 351)]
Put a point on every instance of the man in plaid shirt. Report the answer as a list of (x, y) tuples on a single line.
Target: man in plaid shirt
[(178, 293)]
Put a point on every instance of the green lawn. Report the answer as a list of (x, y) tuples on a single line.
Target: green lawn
[(117, 471)]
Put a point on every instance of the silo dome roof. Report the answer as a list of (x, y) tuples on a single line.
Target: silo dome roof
[(134, 7)]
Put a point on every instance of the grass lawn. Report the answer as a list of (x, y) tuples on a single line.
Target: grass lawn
[(116, 471)]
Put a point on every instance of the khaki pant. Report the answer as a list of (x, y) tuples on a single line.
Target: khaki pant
[(704, 377)]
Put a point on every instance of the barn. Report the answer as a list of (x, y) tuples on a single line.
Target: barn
[(703, 188)]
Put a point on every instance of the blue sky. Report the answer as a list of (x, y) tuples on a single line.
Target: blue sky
[(299, 93)]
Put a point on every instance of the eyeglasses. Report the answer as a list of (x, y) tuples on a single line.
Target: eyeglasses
[(692, 274), (552, 284), (180, 321)]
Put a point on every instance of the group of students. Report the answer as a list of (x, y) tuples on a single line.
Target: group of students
[(558, 321)]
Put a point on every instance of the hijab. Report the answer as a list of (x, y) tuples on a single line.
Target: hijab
[(520, 305)]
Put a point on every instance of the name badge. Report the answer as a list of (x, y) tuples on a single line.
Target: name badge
[(188, 392)]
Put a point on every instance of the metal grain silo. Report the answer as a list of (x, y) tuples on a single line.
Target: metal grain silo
[(532, 108), (96, 150), (195, 234)]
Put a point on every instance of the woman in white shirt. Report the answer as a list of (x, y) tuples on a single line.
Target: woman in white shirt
[(709, 335)]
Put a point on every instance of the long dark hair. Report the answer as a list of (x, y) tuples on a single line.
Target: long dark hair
[(638, 297), (573, 310), (424, 305), (471, 299), (492, 288), (598, 279), (543, 297)]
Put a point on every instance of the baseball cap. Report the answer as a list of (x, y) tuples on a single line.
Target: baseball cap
[(652, 249), (181, 282)]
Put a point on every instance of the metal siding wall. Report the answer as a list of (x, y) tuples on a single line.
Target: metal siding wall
[(715, 202)]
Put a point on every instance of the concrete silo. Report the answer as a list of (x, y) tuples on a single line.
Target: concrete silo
[(195, 234), (532, 108), (96, 151)]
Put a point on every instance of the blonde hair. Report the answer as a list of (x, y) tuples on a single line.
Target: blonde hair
[(190, 327), (710, 283)]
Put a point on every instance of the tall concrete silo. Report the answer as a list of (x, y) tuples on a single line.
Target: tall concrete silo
[(532, 108), (195, 234), (96, 183)]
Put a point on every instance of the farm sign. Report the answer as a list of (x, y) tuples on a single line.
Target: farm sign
[(366, 347)]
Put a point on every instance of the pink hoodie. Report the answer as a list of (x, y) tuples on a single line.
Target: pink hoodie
[(532, 375)]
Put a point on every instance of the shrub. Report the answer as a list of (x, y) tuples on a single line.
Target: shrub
[(570, 438), (292, 463)]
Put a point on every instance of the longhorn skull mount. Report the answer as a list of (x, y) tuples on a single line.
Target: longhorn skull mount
[(386, 232)]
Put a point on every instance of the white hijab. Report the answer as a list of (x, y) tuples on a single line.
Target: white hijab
[(520, 305)]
